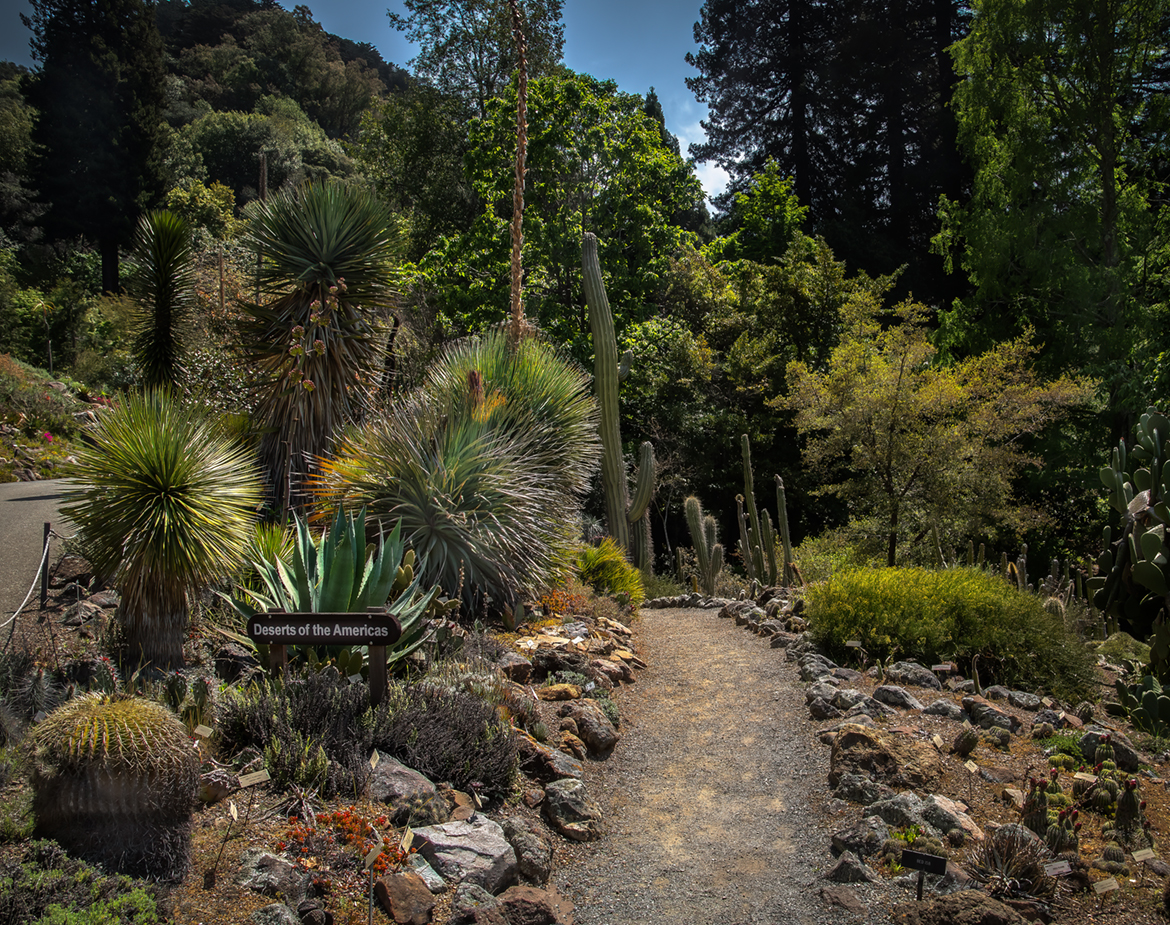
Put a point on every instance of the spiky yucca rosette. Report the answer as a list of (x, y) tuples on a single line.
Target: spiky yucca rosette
[(114, 782)]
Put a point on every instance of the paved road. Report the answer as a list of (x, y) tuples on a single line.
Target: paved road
[(25, 507)]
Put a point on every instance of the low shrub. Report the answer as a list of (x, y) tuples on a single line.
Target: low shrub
[(47, 887), (957, 613), (606, 570)]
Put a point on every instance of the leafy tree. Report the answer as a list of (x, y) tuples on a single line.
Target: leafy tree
[(1062, 114), (99, 95), (596, 162), (763, 219), (466, 47), (923, 444), (848, 97)]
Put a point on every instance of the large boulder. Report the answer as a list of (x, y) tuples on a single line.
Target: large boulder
[(914, 674), (1124, 754), (473, 851), (593, 727), (967, 907), (891, 760), (571, 810), (544, 763), (987, 715)]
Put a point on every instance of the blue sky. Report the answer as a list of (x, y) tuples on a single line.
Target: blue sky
[(638, 43)]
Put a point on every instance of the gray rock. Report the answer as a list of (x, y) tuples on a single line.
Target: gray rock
[(850, 870), (821, 709), (264, 872), (871, 708), (847, 675), (814, 669), (843, 898), (515, 667), (216, 784), (393, 782), (593, 727), (914, 674), (846, 699), (533, 851), (896, 697), (1124, 754), (233, 662), (1022, 700), (733, 609), (947, 708), (962, 687), (1052, 717), (1015, 830), (858, 789), (986, 715), (430, 876), (903, 809), (996, 692), (824, 689), (275, 914), (474, 850), (80, 613), (468, 898), (863, 838), (107, 598), (544, 763), (572, 811), (944, 814), (783, 640)]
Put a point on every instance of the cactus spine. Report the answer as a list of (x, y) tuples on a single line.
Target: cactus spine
[(628, 523), (708, 551)]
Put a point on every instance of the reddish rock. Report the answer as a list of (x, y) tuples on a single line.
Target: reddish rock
[(526, 905), (406, 898)]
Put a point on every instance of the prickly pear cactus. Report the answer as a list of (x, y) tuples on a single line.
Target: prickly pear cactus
[(114, 781)]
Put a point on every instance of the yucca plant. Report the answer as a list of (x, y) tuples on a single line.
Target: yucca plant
[(339, 573), (326, 270), (162, 282), (164, 502)]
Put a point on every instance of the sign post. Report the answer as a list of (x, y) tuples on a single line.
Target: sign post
[(924, 864), (375, 629)]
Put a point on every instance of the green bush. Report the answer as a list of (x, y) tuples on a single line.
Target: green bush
[(958, 613), (605, 569)]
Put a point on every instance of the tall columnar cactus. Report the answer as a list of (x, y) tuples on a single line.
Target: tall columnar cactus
[(708, 550), (114, 781), (757, 536), (790, 573), (628, 521), (1132, 585)]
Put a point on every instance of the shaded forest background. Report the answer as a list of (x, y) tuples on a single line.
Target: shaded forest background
[(984, 180)]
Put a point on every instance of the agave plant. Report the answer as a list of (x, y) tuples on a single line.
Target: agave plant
[(327, 272), (482, 467), (164, 502), (162, 282), (339, 573)]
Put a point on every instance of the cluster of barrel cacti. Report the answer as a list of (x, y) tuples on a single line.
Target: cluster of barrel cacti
[(1133, 570), (757, 537), (628, 519), (708, 549), (114, 781), (1035, 809), (1063, 836)]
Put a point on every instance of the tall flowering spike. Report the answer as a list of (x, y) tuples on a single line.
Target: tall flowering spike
[(518, 191)]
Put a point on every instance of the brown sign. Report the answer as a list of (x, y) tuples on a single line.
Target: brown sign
[(324, 629)]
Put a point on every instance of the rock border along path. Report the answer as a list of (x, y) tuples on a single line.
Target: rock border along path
[(714, 800)]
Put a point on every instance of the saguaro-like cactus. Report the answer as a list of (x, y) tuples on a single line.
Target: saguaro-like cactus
[(708, 550), (757, 536), (628, 520), (114, 781)]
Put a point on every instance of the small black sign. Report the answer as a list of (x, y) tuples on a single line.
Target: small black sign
[(930, 863), (330, 629)]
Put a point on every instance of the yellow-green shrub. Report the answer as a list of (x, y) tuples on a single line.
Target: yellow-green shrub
[(605, 569), (932, 616)]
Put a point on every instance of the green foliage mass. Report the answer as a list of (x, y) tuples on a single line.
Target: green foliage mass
[(605, 569), (957, 613)]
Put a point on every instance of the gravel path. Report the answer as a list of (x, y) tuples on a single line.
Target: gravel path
[(714, 798)]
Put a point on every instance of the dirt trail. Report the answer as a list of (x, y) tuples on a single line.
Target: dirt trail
[(713, 799)]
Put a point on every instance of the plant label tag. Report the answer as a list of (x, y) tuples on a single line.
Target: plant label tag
[(478, 801), (235, 812), (1057, 868), (854, 643), (204, 732), (354, 678), (1106, 886), (937, 740), (577, 640), (407, 839), (1081, 775), (374, 759), (943, 668), (971, 766), (372, 856), (1144, 855), (259, 777), (1047, 701), (930, 863), (966, 724), (590, 686), (40, 717)]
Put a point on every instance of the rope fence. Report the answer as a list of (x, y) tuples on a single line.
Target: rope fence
[(49, 534)]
